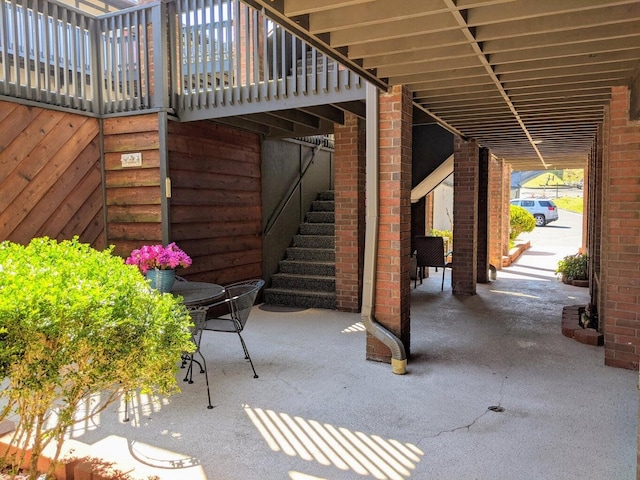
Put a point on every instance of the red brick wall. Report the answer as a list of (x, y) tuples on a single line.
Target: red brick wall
[(394, 232), (465, 216), (483, 217), (498, 211), (593, 207), (349, 186), (621, 234)]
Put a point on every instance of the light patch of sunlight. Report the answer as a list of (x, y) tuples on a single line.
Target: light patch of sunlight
[(139, 406), (303, 476), (363, 454), (514, 294), (356, 327), (148, 460)]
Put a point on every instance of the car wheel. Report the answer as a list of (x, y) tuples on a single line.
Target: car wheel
[(540, 220)]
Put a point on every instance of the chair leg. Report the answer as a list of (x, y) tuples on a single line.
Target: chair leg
[(442, 286), (203, 369), (206, 378), (247, 356)]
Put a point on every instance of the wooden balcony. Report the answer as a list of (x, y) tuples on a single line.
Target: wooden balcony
[(196, 59)]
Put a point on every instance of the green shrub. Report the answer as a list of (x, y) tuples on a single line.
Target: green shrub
[(574, 267), (78, 329), (520, 221), (443, 233)]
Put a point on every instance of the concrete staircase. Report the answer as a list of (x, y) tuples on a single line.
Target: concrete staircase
[(306, 276)]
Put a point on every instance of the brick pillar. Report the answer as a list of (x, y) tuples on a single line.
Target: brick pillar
[(483, 217), (392, 294), (498, 211), (465, 216), (592, 189), (349, 186), (620, 233)]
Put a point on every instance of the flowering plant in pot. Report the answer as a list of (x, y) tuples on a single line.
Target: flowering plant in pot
[(158, 263), (574, 267), (149, 257)]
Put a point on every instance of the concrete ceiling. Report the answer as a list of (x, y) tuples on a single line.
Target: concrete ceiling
[(527, 79)]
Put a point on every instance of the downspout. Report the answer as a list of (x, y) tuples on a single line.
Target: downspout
[(398, 355)]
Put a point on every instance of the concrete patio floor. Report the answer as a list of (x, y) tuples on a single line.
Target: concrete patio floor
[(493, 391)]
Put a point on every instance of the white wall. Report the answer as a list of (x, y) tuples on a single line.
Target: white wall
[(443, 205)]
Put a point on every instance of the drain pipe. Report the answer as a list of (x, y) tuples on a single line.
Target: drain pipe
[(398, 355)]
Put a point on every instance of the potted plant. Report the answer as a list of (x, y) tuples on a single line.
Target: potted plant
[(78, 330), (574, 269), (158, 263)]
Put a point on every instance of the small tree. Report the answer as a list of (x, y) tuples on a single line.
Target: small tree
[(520, 221), (75, 322)]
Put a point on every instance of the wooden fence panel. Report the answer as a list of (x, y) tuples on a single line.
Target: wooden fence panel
[(216, 203), (50, 181), (133, 195)]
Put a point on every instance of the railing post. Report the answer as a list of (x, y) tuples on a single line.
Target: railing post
[(160, 92), (174, 56), (95, 33)]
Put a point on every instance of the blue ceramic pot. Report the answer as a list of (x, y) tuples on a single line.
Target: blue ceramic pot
[(161, 280)]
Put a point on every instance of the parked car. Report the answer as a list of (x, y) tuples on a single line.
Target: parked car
[(543, 210)]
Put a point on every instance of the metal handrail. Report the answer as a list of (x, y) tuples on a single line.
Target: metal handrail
[(286, 198)]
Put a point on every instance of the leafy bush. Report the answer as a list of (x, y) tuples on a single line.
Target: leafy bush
[(443, 233), (78, 329), (574, 267), (520, 220)]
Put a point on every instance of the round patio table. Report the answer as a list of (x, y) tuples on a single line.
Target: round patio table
[(197, 293)]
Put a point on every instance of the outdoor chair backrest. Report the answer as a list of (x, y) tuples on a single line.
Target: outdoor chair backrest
[(242, 296), (429, 251)]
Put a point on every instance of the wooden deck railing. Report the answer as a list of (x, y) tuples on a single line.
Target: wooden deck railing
[(199, 58), (45, 54)]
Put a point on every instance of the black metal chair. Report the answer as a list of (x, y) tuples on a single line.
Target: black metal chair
[(198, 315), (430, 252), (231, 314)]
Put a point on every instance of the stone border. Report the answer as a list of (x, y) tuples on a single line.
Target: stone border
[(571, 327), (514, 253)]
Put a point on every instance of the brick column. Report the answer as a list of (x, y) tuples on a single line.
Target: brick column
[(465, 216), (620, 233), (394, 231), (349, 186), (483, 217), (498, 211), (592, 190)]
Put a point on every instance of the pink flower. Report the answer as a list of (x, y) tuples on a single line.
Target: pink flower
[(149, 257)]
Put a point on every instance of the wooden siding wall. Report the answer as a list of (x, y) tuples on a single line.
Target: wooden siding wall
[(133, 195), (216, 212), (50, 177)]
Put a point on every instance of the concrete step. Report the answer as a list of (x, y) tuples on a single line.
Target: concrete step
[(327, 195), (313, 254), (309, 268), (304, 282), (320, 217), (314, 241), (323, 206), (299, 298), (317, 229)]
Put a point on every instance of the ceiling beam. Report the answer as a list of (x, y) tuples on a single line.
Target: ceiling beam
[(467, 32)]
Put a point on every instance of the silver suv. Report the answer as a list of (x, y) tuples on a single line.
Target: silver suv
[(543, 210)]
